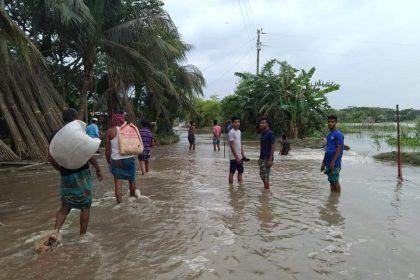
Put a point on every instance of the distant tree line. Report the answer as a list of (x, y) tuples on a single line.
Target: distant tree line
[(375, 115)]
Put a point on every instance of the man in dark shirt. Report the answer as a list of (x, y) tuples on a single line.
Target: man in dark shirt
[(266, 152), (75, 188)]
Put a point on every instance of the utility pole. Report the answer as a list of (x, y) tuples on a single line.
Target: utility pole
[(259, 32), (399, 145)]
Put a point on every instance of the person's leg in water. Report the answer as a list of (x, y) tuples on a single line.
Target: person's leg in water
[(84, 220), (239, 177), (61, 216), (146, 166), (143, 167), (335, 187), (132, 186), (118, 190), (214, 147), (266, 182), (218, 145)]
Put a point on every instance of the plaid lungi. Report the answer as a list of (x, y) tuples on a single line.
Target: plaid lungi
[(76, 189)]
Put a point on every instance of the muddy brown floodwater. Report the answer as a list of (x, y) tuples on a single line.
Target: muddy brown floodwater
[(196, 226)]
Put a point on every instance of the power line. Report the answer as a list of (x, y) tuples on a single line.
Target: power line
[(246, 4), (230, 68), (229, 53), (243, 19)]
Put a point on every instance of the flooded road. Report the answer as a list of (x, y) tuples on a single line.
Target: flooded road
[(196, 226)]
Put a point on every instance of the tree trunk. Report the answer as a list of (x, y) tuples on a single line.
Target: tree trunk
[(87, 84)]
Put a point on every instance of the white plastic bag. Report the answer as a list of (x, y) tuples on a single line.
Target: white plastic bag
[(71, 147)]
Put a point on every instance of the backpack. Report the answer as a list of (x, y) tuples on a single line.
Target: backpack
[(130, 140)]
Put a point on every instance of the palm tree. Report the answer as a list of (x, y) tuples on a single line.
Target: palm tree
[(124, 31)]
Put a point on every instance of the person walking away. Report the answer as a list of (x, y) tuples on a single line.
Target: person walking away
[(236, 153), (285, 146), (217, 132), (75, 187), (191, 135), (266, 152), (331, 164), (122, 167), (92, 130), (147, 138)]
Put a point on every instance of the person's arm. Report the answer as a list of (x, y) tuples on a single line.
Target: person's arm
[(108, 146), (53, 163), (94, 163), (270, 160)]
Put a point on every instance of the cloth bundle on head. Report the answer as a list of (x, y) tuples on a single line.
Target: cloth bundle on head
[(118, 119)]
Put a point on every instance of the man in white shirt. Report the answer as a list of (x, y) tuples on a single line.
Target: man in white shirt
[(236, 153)]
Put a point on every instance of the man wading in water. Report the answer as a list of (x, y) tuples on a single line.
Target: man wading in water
[(75, 187), (191, 135), (331, 164), (236, 153), (266, 152), (122, 167)]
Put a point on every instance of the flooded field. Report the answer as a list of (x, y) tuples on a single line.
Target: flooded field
[(196, 226)]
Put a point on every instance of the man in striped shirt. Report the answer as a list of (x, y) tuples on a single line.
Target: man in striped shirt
[(147, 138)]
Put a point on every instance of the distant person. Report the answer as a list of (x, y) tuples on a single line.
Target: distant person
[(228, 126), (266, 152), (75, 187), (217, 132), (331, 164), (147, 138), (236, 153), (284, 146), (122, 167), (92, 130), (191, 135)]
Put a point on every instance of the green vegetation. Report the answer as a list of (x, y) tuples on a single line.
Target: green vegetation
[(166, 138), (374, 115), (405, 141), (407, 158), (294, 104), (205, 112)]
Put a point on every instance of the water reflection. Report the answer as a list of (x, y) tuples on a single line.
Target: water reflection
[(330, 213), (395, 204), (265, 210)]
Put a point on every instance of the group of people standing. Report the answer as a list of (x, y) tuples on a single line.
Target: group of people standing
[(331, 163)]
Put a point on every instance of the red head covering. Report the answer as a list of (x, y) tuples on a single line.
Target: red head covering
[(118, 119)]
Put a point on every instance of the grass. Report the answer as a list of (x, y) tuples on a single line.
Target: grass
[(407, 158), (166, 138), (405, 141), (375, 127)]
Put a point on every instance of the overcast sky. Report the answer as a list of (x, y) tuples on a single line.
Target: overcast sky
[(371, 48)]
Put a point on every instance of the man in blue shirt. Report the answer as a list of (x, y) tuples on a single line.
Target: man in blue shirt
[(331, 164), (266, 152), (92, 130)]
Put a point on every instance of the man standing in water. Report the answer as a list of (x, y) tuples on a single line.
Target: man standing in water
[(191, 135), (147, 138), (266, 152), (75, 187), (217, 131), (122, 167), (236, 153), (331, 164)]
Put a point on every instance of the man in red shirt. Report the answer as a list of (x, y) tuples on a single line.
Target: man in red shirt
[(217, 131)]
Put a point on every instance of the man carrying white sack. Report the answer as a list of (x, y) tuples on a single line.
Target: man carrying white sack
[(75, 187)]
